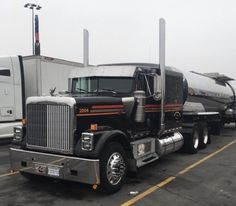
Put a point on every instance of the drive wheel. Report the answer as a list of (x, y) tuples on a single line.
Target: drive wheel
[(204, 137), (191, 141), (113, 168)]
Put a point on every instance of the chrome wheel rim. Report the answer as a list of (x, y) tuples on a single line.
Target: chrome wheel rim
[(115, 168), (205, 136), (195, 140)]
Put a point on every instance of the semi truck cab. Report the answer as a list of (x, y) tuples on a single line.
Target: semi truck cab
[(108, 123)]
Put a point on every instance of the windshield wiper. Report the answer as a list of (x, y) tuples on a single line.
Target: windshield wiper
[(105, 90), (79, 90)]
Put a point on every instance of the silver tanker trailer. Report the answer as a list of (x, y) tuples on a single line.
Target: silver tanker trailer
[(209, 104)]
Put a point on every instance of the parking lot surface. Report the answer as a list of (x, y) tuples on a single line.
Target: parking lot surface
[(205, 178)]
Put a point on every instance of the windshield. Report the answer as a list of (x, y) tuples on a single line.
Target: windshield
[(115, 85)]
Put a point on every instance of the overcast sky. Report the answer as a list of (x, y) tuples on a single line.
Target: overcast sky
[(200, 34)]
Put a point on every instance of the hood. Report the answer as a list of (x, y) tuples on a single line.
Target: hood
[(103, 105)]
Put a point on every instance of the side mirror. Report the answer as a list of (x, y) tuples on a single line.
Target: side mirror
[(63, 92), (157, 87), (70, 85)]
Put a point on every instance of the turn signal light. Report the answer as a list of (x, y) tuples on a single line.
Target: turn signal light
[(93, 127), (24, 121)]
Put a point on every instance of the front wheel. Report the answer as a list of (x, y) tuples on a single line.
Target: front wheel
[(113, 168)]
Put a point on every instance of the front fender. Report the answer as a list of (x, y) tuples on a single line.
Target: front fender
[(101, 138)]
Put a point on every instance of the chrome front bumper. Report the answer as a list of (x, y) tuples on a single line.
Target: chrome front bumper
[(56, 166)]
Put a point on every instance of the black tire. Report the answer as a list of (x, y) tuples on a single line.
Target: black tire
[(113, 153), (191, 141), (204, 136), (209, 139), (216, 129)]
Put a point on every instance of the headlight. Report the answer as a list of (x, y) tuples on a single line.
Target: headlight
[(144, 148), (141, 149), (87, 141), (18, 133)]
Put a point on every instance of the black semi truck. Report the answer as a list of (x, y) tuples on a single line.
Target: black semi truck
[(119, 117), (111, 123)]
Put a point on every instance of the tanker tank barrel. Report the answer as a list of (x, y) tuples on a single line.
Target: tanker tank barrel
[(215, 92)]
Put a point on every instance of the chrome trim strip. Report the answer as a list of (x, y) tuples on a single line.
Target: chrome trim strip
[(201, 113), (54, 155), (52, 99)]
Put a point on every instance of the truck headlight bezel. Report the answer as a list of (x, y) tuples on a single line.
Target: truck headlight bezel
[(18, 134), (87, 140)]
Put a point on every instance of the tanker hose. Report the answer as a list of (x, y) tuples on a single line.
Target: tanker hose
[(234, 98)]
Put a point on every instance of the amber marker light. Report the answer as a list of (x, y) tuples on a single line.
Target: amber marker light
[(94, 187), (24, 121), (93, 127)]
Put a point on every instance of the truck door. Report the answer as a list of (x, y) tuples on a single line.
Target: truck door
[(152, 107), (7, 112)]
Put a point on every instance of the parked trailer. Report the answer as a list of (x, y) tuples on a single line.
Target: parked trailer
[(117, 118), (210, 102), (22, 77)]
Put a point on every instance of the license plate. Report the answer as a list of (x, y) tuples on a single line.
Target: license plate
[(53, 171)]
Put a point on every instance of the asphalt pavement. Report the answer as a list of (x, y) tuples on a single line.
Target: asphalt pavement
[(206, 178)]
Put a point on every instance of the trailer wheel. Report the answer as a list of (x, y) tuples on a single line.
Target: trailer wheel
[(113, 168), (191, 141), (209, 139), (204, 137), (216, 129)]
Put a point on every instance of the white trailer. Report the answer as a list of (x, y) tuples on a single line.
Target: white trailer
[(22, 77)]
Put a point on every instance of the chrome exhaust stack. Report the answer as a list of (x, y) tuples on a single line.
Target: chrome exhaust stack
[(163, 73), (86, 48)]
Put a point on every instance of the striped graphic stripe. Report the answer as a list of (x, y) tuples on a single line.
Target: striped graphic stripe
[(107, 106), (100, 110), (99, 114)]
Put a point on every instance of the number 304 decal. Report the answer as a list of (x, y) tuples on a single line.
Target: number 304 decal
[(83, 110)]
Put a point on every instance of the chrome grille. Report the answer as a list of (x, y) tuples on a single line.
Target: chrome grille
[(49, 127)]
